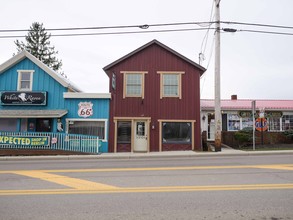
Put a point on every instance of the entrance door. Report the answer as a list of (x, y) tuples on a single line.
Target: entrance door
[(43, 125), (140, 136)]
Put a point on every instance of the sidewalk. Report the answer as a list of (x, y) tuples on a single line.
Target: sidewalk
[(165, 154)]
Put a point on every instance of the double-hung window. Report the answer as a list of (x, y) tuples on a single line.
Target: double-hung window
[(133, 84), (25, 80), (170, 84), (287, 122)]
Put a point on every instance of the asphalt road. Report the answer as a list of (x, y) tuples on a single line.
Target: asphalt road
[(238, 187)]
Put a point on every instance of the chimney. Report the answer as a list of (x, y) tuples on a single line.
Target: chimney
[(233, 97)]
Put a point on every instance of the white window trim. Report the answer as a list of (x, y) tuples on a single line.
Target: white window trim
[(80, 119), (240, 122), (179, 74), (125, 73), (19, 80)]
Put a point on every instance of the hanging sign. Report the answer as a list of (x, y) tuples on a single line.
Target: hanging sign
[(85, 109)]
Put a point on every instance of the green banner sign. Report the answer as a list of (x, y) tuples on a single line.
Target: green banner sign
[(26, 141)]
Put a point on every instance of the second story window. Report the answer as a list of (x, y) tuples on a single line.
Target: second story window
[(25, 80), (170, 84), (133, 84)]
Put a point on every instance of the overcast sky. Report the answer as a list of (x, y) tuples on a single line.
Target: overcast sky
[(253, 65)]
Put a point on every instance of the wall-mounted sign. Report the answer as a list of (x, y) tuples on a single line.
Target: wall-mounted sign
[(113, 81), (23, 98), (85, 109), (267, 114)]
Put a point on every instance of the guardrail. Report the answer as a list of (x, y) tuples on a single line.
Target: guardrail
[(50, 141)]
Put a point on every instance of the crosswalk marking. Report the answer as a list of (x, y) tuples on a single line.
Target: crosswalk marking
[(75, 183)]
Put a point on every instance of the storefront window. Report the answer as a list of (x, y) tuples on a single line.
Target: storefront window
[(287, 122), (176, 132), (85, 127), (233, 122), (124, 132), (8, 124), (274, 124), (247, 123)]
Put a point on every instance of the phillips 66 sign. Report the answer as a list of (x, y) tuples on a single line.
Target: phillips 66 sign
[(85, 109)]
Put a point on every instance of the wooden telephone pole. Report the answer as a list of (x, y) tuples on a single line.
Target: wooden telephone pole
[(218, 114)]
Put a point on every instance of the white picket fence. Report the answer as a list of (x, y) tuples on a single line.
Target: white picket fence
[(50, 141)]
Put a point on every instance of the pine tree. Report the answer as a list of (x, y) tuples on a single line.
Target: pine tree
[(38, 44)]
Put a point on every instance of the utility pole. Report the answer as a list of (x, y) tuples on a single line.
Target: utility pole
[(218, 114)]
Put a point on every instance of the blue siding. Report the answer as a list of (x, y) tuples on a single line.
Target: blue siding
[(100, 108), (100, 111), (42, 81)]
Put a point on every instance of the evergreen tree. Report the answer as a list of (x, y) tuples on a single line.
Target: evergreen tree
[(38, 44)]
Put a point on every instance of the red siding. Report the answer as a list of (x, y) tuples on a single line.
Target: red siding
[(152, 59)]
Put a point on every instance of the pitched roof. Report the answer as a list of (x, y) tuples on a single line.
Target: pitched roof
[(246, 104), (24, 54), (161, 45)]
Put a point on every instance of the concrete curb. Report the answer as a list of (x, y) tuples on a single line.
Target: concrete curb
[(151, 155)]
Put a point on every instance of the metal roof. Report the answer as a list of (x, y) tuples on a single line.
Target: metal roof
[(33, 113), (244, 104), (24, 54), (161, 45)]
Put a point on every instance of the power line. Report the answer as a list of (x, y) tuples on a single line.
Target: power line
[(231, 30), (257, 24), (115, 33), (144, 26), (204, 25), (201, 55), (267, 32)]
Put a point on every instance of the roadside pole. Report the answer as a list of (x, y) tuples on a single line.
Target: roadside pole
[(218, 115), (253, 122)]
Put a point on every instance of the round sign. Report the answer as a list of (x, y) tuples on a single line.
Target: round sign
[(261, 124)]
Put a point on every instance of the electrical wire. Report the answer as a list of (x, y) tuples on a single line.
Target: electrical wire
[(145, 26), (204, 25), (266, 32), (115, 33), (209, 61), (256, 24), (205, 39)]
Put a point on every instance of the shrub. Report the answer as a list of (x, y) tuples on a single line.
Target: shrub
[(289, 134), (243, 136)]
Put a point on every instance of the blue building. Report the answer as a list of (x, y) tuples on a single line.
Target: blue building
[(35, 98)]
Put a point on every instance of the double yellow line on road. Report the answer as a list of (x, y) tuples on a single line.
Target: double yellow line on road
[(80, 186), (270, 166)]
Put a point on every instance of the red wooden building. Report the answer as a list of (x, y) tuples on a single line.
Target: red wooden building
[(155, 103)]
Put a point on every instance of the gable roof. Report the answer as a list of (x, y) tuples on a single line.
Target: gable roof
[(24, 54), (161, 45), (245, 104)]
